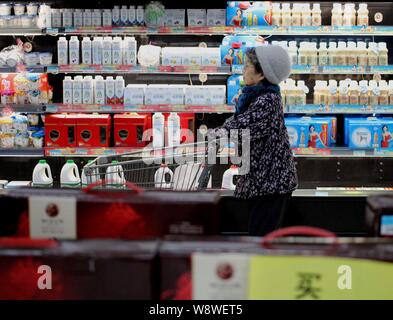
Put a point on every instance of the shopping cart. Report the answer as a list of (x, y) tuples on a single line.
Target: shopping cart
[(186, 167)]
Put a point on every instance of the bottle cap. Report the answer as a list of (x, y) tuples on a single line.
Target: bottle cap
[(70, 161), (42, 161)]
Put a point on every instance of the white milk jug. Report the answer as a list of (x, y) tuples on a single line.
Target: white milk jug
[(114, 176), (92, 177), (227, 178), (69, 176), (163, 177), (42, 175)]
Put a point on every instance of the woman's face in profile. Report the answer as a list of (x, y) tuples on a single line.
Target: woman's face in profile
[(250, 76)]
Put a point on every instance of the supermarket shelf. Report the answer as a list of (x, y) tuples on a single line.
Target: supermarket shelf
[(223, 30), (52, 108), (26, 108), (21, 152), (125, 69), (22, 68), (21, 32), (338, 109), (85, 152), (340, 152)]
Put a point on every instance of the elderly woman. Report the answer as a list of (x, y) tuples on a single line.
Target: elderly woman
[(272, 175)]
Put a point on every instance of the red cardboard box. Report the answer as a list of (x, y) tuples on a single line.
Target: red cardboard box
[(93, 130), (129, 129), (60, 130)]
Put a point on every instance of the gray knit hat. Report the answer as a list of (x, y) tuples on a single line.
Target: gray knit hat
[(275, 62)]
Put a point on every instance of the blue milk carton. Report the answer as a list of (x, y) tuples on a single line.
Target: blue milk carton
[(234, 48), (347, 118), (297, 129), (386, 133), (234, 88), (244, 13), (364, 133)]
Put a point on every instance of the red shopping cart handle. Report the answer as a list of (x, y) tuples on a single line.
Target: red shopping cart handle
[(91, 187), (297, 230)]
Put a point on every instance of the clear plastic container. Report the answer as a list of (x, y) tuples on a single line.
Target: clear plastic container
[(26, 21), (383, 93), (363, 93), (363, 15), (316, 15), (32, 59), (341, 58), (5, 9), (293, 52), (276, 14), (362, 54), (353, 93), (352, 54), (286, 16), (306, 15), (333, 93), (303, 52), (382, 54), (349, 17), (372, 54), (374, 93), (19, 9), (337, 15), (323, 57), (32, 9), (343, 97), (297, 14), (332, 53), (312, 56), (390, 92)]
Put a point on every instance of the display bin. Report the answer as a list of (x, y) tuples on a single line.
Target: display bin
[(379, 215), (120, 213), (240, 268), (96, 269)]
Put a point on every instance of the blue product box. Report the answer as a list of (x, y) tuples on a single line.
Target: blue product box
[(234, 85), (234, 48), (297, 129), (364, 133), (332, 128), (247, 14), (318, 133), (386, 133), (347, 118)]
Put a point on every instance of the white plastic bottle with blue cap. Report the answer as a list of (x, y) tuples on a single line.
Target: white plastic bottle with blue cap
[(114, 177), (227, 178), (42, 175), (69, 176)]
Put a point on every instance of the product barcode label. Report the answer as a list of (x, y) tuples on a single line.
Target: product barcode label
[(387, 226)]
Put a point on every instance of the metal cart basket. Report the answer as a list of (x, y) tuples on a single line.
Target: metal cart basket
[(186, 167)]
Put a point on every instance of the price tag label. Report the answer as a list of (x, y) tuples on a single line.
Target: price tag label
[(52, 217)]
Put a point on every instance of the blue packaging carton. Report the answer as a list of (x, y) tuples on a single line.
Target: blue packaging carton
[(332, 128), (297, 131), (386, 133), (364, 133), (347, 118), (318, 133), (234, 85), (247, 14), (233, 48)]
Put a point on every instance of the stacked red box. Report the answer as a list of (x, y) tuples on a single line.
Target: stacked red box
[(60, 130), (93, 130), (129, 129)]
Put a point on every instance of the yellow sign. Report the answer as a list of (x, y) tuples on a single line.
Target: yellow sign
[(326, 278)]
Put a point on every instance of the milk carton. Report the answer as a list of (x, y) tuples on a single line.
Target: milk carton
[(119, 90), (56, 18), (215, 95), (67, 18), (62, 51), (196, 95), (175, 17), (211, 57), (140, 15), (99, 90), (87, 18), (117, 51), (107, 18), (195, 55), (196, 17), (87, 90), (107, 51), (74, 50), (156, 94), (116, 16), (86, 50), (129, 51), (97, 50), (77, 90), (134, 94), (124, 16), (216, 17), (67, 90), (176, 93), (110, 90), (132, 16), (96, 18), (186, 56), (78, 18), (172, 56)]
